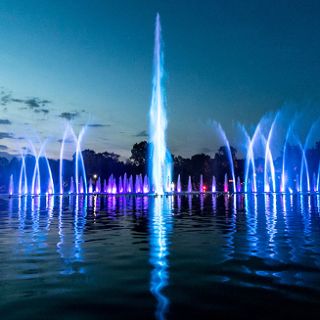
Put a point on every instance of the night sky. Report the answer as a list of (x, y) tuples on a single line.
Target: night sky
[(90, 62)]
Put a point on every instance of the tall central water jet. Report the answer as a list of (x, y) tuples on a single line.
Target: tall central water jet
[(160, 159)]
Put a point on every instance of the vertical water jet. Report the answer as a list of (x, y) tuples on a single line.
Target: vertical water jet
[(179, 184), (160, 165), (189, 185), (214, 185), (11, 185)]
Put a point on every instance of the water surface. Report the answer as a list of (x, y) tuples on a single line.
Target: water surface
[(189, 257)]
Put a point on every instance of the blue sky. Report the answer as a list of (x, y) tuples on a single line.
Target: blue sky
[(91, 62)]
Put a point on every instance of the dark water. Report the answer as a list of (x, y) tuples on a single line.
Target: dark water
[(254, 257)]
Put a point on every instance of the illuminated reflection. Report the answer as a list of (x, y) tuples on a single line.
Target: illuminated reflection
[(160, 220), (214, 203), (190, 203), (179, 203), (201, 202), (70, 242)]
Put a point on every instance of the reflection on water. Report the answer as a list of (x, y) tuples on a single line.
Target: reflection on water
[(156, 254), (160, 215), (70, 242)]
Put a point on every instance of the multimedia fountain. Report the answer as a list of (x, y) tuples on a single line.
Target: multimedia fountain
[(262, 210), (262, 174)]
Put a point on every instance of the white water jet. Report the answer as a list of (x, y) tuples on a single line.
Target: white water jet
[(161, 164), (268, 161), (179, 184), (214, 185), (189, 185)]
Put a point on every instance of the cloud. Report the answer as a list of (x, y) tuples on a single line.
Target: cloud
[(17, 100), (6, 135), (9, 135), (5, 99), (3, 147), (45, 111), (34, 103), (65, 141), (5, 121), (98, 125), (141, 134), (69, 115)]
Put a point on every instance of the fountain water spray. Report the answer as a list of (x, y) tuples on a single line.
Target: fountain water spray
[(160, 167), (250, 161), (11, 187), (23, 182), (179, 184), (77, 141), (229, 153), (268, 161), (189, 185), (238, 185), (214, 185), (226, 184), (120, 186), (71, 188), (283, 183), (90, 188)]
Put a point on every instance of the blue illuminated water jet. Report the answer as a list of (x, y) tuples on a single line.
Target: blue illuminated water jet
[(160, 166), (229, 154), (268, 161)]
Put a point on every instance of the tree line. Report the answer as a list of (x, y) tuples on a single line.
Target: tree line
[(106, 163)]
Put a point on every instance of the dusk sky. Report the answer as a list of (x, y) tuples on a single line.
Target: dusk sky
[(90, 62)]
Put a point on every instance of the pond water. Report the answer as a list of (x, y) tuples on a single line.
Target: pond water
[(138, 257)]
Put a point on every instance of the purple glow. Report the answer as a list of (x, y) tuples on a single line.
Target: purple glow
[(71, 189), (120, 188), (226, 184), (201, 184), (98, 186), (105, 187), (114, 186), (80, 188), (137, 185), (110, 184), (125, 183), (238, 185), (214, 185), (90, 189), (179, 184), (189, 185), (145, 184)]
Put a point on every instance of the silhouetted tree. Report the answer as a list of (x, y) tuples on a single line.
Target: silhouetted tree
[(139, 155)]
